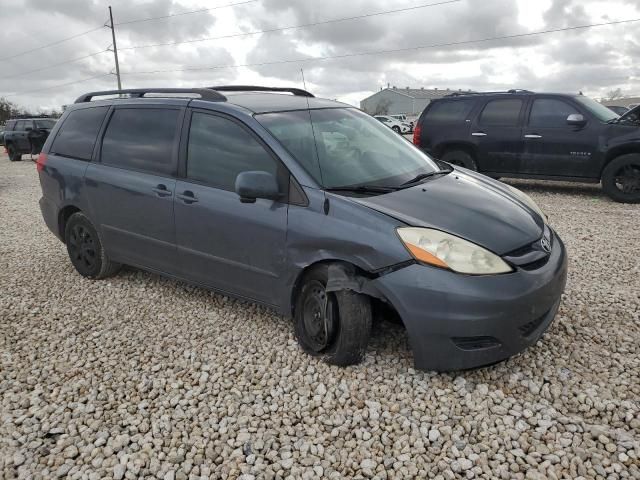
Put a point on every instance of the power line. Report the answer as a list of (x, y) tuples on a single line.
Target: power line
[(58, 85), (66, 62), (57, 42), (185, 13), (395, 50), (292, 27)]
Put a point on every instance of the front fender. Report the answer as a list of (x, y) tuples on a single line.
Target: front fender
[(348, 232)]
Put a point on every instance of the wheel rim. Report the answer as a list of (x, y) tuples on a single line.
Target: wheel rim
[(319, 317), (82, 247), (627, 179)]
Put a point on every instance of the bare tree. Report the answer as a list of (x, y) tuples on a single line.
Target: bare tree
[(382, 107), (615, 94)]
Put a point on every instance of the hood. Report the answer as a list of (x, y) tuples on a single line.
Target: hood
[(465, 204)]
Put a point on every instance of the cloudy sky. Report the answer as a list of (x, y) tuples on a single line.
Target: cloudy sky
[(594, 61)]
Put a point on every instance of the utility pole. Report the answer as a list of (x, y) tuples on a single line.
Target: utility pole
[(115, 47)]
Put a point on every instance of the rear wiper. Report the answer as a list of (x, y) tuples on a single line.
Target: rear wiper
[(424, 176), (362, 189)]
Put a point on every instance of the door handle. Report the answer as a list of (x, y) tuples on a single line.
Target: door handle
[(187, 197), (533, 136), (479, 134), (161, 191)]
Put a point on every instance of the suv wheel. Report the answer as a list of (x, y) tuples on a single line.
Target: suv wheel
[(332, 325), (85, 249), (14, 156), (460, 158), (621, 178)]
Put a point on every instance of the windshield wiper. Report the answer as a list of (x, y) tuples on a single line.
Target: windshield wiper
[(362, 189), (424, 176)]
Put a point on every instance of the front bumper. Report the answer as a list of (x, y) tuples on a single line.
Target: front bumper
[(457, 321)]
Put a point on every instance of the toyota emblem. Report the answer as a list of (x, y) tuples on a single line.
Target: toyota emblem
[(545, 243)]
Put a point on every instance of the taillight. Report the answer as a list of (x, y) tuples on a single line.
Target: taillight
[(41, 162), (416, 134)]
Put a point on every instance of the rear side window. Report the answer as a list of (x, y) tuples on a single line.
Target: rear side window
[(504, 112), (21, 125), (141, 139), (220, 149), (78, 133), (549, 112), (449, 111), (10, 125)]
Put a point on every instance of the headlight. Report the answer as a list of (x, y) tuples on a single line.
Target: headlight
[(442, 250), (527, 200)]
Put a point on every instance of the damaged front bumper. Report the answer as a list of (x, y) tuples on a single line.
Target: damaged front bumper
[(457, 321)]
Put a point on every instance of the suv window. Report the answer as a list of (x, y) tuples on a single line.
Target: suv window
[(141, 139), (78, 133), (550, 112), (449, 111), (220, 149), (10, 125), (502, 112), (21, 125)]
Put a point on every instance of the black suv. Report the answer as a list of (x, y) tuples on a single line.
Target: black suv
[(523, 134), (26, 135)]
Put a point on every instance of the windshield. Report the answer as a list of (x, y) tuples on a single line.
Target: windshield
[(346, 147), (601, 112), (45, 123)]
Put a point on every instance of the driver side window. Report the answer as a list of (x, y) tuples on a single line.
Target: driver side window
[(551, 113)]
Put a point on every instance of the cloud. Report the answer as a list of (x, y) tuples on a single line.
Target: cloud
[(595, 60)]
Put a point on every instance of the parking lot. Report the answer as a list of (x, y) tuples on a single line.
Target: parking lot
[(139, 376)]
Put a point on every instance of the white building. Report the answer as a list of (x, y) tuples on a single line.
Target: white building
[(394, 101)]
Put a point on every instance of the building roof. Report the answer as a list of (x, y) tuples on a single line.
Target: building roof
[(419, 93)]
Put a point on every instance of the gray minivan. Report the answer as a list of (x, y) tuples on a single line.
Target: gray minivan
[(306, 205)]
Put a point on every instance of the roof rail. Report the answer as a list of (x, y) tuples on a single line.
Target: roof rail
[(205, 93), (513, 90), (251, 88)]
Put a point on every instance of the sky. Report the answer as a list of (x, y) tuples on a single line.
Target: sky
[(595, 61)]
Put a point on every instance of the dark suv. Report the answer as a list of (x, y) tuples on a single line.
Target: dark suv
[(534, 135), (26, 136), (309, 206)]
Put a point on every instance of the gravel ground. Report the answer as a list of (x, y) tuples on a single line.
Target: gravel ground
[(142, 377)]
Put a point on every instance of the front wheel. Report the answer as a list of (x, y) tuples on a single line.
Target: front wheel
[(14, 156), (396, 129), (461, 159), (621, 179), (85, 249), (333, 325)]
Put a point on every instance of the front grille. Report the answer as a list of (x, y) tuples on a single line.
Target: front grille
[(532, 256), (476, 343)]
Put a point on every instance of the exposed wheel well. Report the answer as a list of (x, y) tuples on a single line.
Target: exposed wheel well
[(298, 283), (617, 152), (63, 217)]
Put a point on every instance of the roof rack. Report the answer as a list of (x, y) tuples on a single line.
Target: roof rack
[(512, 91), (205, 93), (251, 88)]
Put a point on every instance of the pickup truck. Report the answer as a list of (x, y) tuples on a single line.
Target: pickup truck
[(26, 135)]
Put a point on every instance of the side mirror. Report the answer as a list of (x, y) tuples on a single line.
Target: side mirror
[(255, 184), (576, 120)]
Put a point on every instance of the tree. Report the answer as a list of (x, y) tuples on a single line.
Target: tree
[(382, 107), (7, 110), (615, 94)]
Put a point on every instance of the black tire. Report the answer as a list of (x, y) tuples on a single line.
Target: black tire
[(339, 332), (461, 159), (621, 178), (396, 129), (14, 156), (85, 249)]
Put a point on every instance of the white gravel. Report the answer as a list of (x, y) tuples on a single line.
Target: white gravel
[(142, 377)]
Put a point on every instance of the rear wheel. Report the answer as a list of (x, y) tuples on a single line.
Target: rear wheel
[(460, 158), (621, 178), (85, 249), (14, 156), (396, 129), (333, 325)]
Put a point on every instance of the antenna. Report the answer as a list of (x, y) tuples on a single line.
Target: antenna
[(303, 81)]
